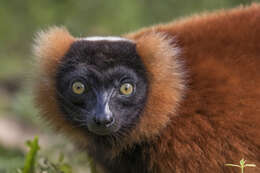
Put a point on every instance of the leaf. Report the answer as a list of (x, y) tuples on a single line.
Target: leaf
[(250, 165), (232, 165), (61, 157), (242, 162), (30, 160), (65, 168)]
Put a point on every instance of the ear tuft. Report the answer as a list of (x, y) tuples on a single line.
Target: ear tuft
[(50, 46), (166, 76)]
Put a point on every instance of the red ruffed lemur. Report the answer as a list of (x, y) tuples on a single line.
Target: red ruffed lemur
[(180, 97)]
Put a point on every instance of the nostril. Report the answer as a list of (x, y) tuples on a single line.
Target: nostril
[(97, 121), (109, 120)]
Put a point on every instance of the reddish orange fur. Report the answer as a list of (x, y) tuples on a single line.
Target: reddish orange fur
[(160, 59), (49, 48), (218, 119)]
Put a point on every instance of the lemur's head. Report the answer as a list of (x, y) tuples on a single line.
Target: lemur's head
[(101, 85), (107, 88)]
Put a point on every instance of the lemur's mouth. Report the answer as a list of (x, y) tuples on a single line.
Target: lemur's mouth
[(100, 131), (102, 128)]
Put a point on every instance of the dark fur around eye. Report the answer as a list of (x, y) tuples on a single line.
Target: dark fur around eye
[(102, 66)]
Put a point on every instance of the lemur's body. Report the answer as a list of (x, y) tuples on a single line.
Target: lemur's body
[(196, 93)]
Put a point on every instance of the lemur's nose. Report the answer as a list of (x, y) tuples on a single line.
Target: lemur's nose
[(104, 119)]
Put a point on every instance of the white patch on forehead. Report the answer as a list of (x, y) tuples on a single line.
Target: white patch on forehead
[(108, 38)]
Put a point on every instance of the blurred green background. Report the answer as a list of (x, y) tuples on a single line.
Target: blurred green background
[(21, 19)]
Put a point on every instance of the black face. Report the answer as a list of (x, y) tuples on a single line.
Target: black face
[(102, 86)]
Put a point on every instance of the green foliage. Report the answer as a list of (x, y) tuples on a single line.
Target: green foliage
[(30, 162), (20, 20), (22, 106), (59, 167), (38, 164), (10, 159), (242, 165)]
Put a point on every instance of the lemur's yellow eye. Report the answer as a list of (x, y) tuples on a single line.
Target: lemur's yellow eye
[(126, 89), (78, 88)]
